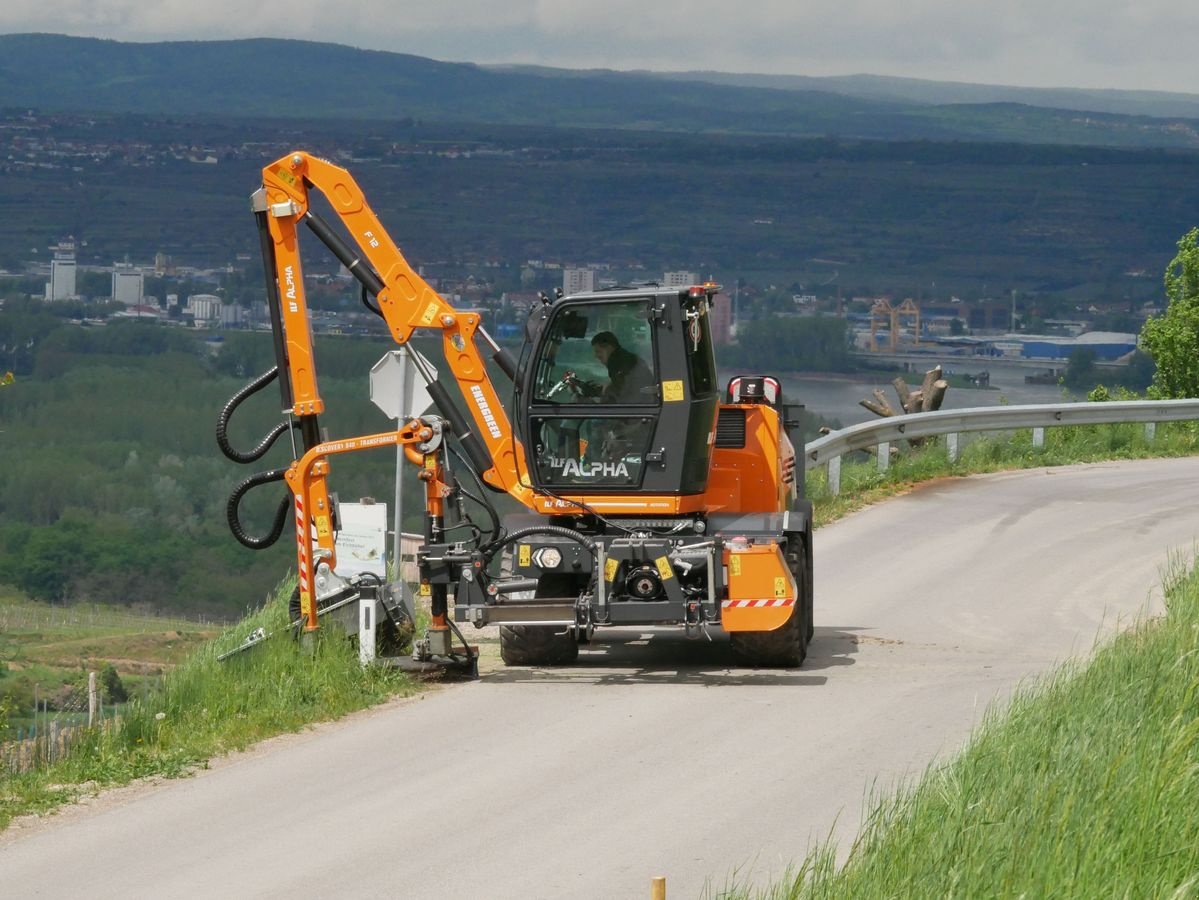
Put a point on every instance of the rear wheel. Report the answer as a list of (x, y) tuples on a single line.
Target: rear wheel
[(541, 645), (786, 646)]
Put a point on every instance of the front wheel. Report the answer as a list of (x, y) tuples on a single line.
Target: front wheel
[(540, 645)]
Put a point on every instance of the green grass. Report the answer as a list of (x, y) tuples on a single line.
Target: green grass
[(47, 651), (204, 708), (1085, 785)]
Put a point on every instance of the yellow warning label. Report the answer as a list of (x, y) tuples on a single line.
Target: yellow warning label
[(429, 314), (672, 391), (664, 568), (425, 590), (610, 567), (780, 588), (322, 525), (285, 175), (526, 555), (734, 564), (305, 603)]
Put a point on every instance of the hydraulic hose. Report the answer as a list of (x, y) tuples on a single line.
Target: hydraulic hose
[(233, 513), (492, 549), (222, 422)]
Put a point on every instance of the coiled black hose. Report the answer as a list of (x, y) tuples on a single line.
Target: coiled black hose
[(222, 422), (492, 549), (233, 514)]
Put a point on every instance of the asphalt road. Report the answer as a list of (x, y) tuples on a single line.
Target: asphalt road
[(653, 757)]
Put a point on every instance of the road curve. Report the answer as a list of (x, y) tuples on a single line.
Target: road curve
[(653, 757)]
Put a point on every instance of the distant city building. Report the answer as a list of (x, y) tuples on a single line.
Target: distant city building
[(204, 308), (721, 316), (232, 314), (128, 284), (163, 264), (140, 312), (575, 281), (679, 279), (61, 285)]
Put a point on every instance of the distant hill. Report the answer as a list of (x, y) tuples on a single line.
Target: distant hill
[(1161, 104), (281, 78)]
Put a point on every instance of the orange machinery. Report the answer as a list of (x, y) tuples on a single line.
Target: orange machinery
[(654, 496)]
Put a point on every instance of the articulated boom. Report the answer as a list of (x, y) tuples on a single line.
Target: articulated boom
[(406, 302)]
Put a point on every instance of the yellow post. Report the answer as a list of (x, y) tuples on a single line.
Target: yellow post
[(658, 888)]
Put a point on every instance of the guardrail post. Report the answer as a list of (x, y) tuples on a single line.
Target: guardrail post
[(951, 446), (1150, 432), (1038, 437), (366, 630), (834, 476), (91, 699), (884, 455)]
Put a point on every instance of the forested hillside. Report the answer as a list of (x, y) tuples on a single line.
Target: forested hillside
[(264, 77), (113, 488)]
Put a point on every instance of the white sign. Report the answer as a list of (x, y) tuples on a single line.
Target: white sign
[(397, 388), (362, 541)]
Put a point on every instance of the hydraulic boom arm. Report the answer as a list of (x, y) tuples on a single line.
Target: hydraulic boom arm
[(406, 303)]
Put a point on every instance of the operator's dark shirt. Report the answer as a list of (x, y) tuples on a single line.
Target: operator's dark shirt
[(627, 376)]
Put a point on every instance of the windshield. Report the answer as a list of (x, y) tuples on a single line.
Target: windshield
[(598, 353)]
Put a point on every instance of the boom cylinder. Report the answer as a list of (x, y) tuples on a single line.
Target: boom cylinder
[(273, 307)]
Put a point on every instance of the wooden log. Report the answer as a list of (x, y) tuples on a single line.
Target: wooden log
[(884, 411), (932, 375), (903, 391), (935, 397), (915, 399), (881, 399)]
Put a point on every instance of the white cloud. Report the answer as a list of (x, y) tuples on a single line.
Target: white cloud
[(1113, 43)]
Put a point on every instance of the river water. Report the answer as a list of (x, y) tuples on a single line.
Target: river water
[(835, 397)]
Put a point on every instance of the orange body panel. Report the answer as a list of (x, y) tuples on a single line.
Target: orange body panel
[(761, 592), (753, 478)]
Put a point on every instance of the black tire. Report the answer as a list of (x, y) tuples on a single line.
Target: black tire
[(786, 646), (803, 567), (540, 645)]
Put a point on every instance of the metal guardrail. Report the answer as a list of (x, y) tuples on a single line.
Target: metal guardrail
[(830, 448)]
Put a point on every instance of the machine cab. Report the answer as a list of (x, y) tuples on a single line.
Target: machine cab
[(619, 392)]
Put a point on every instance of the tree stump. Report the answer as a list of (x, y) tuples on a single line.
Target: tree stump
[(926, 398)]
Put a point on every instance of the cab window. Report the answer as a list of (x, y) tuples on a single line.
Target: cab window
[(598, 353)]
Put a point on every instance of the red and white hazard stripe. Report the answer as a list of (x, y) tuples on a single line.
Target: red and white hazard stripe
[(301, 537), (740, 604)]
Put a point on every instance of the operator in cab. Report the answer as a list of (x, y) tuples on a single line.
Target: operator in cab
[(629, 379)]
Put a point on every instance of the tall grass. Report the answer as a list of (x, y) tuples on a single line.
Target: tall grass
[(205, 708), (1086, 785)]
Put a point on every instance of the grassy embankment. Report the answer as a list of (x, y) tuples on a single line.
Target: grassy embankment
[(203, 708), (47, 651), (1085, 785)]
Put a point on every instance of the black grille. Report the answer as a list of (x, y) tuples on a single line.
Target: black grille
[(730, 429)]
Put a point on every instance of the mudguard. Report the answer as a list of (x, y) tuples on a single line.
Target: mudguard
[(761, 590)]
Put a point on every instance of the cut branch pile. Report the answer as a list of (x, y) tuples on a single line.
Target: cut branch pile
[(926, 398)]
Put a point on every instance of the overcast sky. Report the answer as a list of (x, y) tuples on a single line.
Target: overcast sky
[(1147, 44)]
